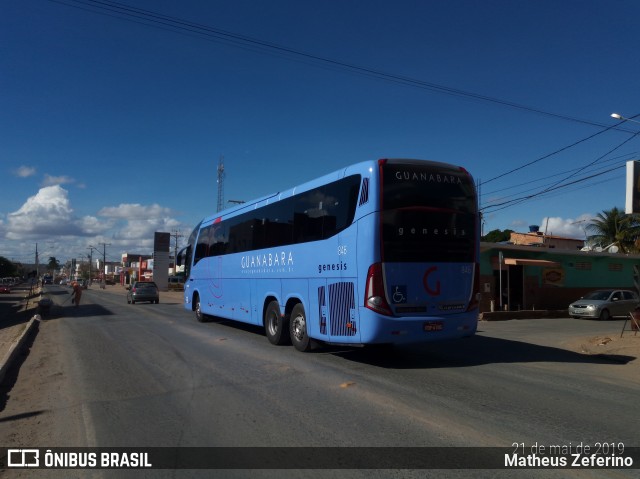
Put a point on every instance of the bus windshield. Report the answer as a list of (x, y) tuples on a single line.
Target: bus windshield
[(429, 213)]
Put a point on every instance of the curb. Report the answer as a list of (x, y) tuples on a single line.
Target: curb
[(524, 314), (15, 347)]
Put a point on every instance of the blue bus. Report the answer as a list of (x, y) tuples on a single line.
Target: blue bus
[(380, 252)]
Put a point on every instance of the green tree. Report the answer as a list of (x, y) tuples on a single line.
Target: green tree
[(497, 236), (614, 227), (7, 268), (53, 264)]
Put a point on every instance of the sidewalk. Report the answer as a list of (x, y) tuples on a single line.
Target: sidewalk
[(524, 314), (17, 311)]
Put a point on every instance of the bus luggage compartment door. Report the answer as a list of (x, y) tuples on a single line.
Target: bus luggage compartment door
[(334, 312)]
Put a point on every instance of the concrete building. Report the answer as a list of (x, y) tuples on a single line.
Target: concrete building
[(536, 238), (136, 267), (533, 277)]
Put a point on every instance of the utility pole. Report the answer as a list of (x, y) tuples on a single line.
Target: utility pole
[(104, 263), (37, 265), (176, 234), (91, 248)]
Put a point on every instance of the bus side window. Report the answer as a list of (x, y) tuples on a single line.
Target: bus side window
[(277, 224), (219, 240), (202, 248)]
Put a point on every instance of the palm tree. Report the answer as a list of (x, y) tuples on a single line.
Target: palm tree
[(614, 227), (53, 264)]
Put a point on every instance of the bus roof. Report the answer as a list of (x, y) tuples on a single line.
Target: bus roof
[(329, 177)]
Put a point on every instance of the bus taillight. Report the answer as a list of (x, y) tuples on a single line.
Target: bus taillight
[(374, 296)]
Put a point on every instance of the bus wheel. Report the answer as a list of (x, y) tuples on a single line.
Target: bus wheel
[(275, 325), (298, 329), (199, 315)]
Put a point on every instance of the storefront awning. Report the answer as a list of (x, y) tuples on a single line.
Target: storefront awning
[(531, 262)]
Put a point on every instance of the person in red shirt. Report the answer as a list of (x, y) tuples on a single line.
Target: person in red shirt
[(77, 293)]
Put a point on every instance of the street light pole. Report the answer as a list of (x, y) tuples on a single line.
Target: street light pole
[(618, 116), (91, 248), (104, 264)]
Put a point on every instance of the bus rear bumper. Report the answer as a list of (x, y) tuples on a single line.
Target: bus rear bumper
[(407, 330)]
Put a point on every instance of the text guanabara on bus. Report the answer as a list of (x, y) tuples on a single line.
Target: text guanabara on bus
[(379, 252)]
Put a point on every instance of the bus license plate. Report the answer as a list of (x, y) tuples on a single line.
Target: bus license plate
[(433, 326)]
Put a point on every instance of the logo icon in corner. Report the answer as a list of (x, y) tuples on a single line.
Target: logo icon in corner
[(23, 458)]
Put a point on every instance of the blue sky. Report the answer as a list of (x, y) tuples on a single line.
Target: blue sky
[(111, 129)]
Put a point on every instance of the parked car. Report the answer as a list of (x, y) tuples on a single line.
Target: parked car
[(143, 291), (604, 304), (176, 283)]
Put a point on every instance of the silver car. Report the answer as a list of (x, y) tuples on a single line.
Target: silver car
[(604, 304)]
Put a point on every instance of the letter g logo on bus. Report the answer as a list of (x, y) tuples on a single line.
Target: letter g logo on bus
[(425, 280)]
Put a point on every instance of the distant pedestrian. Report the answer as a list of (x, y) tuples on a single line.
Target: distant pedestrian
[(77, 293)]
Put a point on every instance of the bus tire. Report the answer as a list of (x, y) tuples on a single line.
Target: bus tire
[(298, 329), (275, 325), (198, 310)]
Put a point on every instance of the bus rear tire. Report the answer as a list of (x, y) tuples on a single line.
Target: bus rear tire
[(298, 329), (275, 325)]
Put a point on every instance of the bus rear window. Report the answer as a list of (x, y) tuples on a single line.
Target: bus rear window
[(428, 213)]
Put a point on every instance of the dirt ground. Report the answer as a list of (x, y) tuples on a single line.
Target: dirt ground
[(624, 350), (627, 345)]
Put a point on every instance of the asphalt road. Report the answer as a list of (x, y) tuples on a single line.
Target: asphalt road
[(109, 374)]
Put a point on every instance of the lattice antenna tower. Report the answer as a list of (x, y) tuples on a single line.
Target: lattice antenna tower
[(220, 184)]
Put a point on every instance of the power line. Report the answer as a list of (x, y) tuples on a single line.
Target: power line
[(555, 187), (175, 235), (558, 184), (178, 25), (626, 157), (515, 201), (560, 150)]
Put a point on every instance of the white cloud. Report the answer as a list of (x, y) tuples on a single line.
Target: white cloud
[(141, 222), (24, 171), (46, 213), (56, 180), (91, 225), (48, 219), (133, 211), (569, 227), (518, 225), (49, 214), (145, 228)]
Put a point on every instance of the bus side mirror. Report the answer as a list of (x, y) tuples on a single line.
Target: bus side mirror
[(180, 257)]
